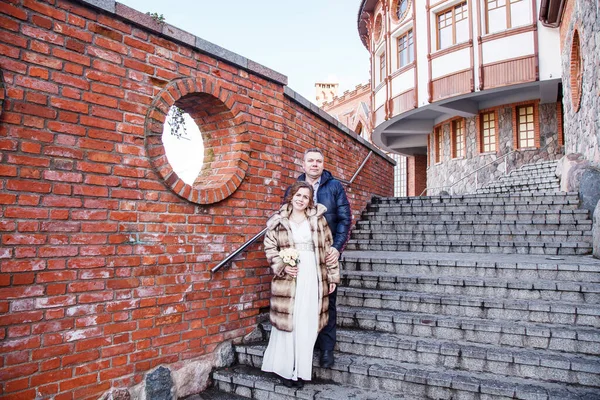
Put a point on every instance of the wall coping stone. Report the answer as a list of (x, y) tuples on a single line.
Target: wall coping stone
[(173, 33)]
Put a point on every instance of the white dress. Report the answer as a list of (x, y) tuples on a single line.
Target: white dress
[(290, 354)]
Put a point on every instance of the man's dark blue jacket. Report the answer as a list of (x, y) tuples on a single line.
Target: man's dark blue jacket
[(332, 195)]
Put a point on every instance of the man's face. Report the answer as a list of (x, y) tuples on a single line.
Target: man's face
[(313, 165)]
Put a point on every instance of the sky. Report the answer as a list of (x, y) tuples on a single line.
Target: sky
[(308, 41)]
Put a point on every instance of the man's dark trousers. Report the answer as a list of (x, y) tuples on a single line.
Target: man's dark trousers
[(326, 338)]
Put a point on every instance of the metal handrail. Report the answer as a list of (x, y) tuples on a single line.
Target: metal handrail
[(478, 169), (261, 233)]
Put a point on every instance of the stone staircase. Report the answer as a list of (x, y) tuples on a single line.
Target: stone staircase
[(531, 178), (483, 296)]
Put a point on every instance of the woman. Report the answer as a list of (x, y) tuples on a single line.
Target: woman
[(299, 293)]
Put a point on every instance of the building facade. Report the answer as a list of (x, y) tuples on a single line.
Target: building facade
[(472, 89), (353, 109)]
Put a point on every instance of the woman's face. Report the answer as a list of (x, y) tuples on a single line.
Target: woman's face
[(301, 199)]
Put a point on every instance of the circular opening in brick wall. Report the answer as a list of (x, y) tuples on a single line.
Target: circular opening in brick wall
[(183, 144), (224, 136), (378, 27), (576, 72)]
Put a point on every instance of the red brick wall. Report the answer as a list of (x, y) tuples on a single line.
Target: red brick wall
[(416, 174), (105, 271)]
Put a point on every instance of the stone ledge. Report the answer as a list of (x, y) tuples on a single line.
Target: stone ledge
[(173, 33)]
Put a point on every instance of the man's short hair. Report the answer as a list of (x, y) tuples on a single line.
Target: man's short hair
[(313, 150)]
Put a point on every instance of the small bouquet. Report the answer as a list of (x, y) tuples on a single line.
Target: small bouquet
[(290, 256)]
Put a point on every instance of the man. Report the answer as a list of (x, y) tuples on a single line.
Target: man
[(329, 192)]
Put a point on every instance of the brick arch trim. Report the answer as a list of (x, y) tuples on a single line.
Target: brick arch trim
[(224, 133)]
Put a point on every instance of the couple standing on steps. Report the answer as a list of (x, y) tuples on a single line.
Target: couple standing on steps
[(303, 243)]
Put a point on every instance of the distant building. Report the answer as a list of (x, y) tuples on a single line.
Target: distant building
[(458, 85), (353, 109), (325, 92)]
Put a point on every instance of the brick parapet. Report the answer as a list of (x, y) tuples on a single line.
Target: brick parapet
[(105, 259)]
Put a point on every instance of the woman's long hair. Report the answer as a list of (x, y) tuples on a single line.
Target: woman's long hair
[(294, 189)]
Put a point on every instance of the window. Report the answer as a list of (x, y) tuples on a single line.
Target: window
[(406, 53), (488, 132), (399, 175), (458, 138), (452, 26), (378, 28), (381, 67), (437, 137), (506, 14), (576, 72), (525, 126), (401, 8)]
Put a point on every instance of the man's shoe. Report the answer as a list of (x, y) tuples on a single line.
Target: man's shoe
[(288, 383), (327, 358), (299, 383)]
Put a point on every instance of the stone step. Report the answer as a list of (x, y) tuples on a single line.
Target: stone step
[(526, 178), (245, 381), (526, 267), (545, 216), (557, 248), (538, 311), (474, 198), (528, 189), (519, 334), (541, 365), (548, 290), (523, 184), (532, 362), (454, 235), (417, 381), (453, 207), (470, 226)]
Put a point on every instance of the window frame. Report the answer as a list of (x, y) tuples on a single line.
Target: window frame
[(481, 131), (438, 143), (382, 66), (518, 124), (507, 13), (456, 139), (451, 9), (409, 35)]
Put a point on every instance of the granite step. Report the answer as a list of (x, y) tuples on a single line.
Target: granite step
[(470, 226), (476, 198), (526, 267), (460, 235), (549, 290), (453, 207), (247, 382), (417, 381), (537, 311), (556, 248), (535, 363), (514, 333), (542, 216)]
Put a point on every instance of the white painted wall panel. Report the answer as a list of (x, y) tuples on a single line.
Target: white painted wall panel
[(452, 62), (508, 47), (380, 97), (549, 57), (403, 82)]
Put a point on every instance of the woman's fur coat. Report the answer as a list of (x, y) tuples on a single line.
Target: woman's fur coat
[(283, 286)]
